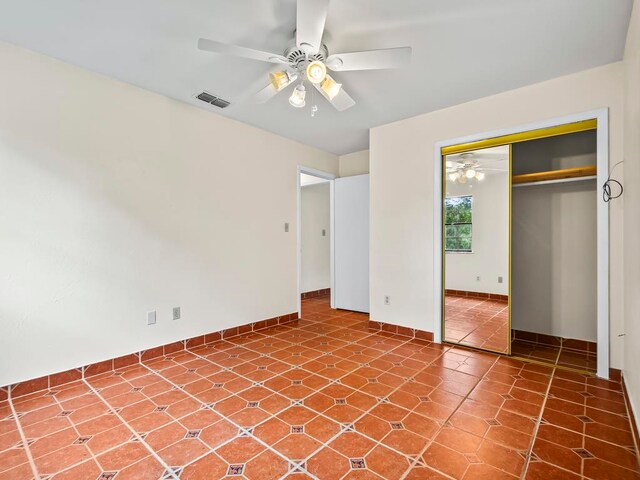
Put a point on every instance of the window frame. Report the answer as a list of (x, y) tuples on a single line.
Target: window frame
[(445, 224)]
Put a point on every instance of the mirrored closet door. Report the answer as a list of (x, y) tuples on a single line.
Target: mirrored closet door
[(476, 238)]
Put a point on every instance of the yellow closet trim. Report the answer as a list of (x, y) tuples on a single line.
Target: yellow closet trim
[(523, 136)]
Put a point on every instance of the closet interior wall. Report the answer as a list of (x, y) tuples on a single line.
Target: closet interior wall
[(554, 255)]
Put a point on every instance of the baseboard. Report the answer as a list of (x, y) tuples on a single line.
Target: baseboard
[(632, 416), (551, 340), (400, 330), (61, 378), (479, 295), (316, 293)]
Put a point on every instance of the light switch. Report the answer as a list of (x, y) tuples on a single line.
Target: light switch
[(151, 318), (286, 227)]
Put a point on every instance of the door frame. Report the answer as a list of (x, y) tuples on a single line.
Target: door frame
[(330, 177), (602, 212)]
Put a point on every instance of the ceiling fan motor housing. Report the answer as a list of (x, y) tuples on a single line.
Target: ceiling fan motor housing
[(298, 57)]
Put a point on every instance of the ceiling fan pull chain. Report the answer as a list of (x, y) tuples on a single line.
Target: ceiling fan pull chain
[(314, 107)]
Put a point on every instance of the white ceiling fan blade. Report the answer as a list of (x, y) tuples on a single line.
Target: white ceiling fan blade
[(341, 101), (235, 50), (265, 94), (370, 59), (311, 17)]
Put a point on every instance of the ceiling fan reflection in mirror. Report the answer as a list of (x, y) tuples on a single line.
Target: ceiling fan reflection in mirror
[(306, 59), (465, 169)]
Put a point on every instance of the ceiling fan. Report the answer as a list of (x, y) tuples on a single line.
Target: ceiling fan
[(466, 168), (307, 59)]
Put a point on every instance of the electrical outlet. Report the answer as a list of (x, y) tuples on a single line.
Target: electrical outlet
[(324, 232), (151, 318), (176, 313), (286, 228), (387, 300)]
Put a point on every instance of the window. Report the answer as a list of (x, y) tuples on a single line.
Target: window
[(457, 223)]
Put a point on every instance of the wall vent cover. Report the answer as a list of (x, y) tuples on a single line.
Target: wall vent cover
[(213, 100)]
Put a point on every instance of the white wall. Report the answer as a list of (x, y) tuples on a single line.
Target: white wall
[(402, 156), (116, 201), (631, 202), (316, 248), (490, 238), (356, 163)]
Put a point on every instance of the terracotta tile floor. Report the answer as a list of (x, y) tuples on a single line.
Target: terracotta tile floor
[(477, 322), (556, 355), (326, 399)]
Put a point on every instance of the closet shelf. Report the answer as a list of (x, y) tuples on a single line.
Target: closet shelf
[(587, 171)]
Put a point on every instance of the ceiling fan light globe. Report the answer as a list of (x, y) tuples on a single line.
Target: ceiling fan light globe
[(280, 79), (453, 176), (331, 87), (470, 173), (480, 176), (316, 72), (297, 97), (462, 179)]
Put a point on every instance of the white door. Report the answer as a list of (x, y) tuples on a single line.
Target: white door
[(351, 243)]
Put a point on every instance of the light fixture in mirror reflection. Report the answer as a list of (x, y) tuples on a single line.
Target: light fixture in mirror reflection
[(464, 169), (476, 206)]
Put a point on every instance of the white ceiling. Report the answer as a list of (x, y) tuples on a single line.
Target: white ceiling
[(462, 50)]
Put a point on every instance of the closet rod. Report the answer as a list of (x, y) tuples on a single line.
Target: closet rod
[(555, 174), (557, 180)]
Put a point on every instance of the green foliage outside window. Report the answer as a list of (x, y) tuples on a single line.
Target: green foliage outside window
[(458, 223)]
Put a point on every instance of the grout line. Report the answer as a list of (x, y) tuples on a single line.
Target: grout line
[(534, 434), (73, 425), (168, 469), (25, 444)]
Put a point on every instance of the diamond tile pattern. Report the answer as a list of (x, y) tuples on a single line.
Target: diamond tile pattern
[(324, 398)]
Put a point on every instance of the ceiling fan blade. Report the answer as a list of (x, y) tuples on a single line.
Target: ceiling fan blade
[(370, 59), (235, 50), (265, 94), (311, 17), (341, 101)]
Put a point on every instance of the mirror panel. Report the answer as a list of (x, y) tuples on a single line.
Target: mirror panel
[(476, 231)]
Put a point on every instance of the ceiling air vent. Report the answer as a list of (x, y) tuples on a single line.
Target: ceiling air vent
[(213, 100)]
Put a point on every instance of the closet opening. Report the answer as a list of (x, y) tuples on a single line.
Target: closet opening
[(554, 250), (524, 243)]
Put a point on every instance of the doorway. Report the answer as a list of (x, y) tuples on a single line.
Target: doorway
[(315, 236)]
